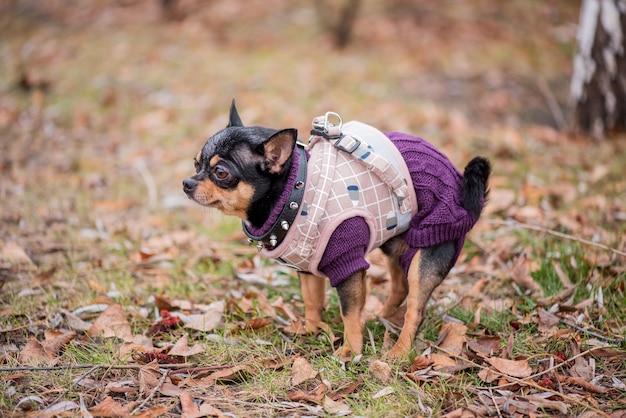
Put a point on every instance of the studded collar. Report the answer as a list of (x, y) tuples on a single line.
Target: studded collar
[(274, 237)]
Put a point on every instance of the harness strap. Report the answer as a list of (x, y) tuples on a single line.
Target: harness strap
[(356, 146)]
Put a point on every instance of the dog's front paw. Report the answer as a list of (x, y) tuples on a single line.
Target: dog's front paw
[(398, 352), (345, 353), (311, 326)]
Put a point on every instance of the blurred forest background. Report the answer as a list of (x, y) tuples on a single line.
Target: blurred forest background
[(104, 104)]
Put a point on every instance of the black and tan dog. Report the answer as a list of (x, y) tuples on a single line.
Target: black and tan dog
[(265, 177)]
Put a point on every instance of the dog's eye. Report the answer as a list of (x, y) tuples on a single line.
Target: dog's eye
[(220, 173), (196, 164)]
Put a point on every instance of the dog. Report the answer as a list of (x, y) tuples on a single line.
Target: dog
[(307, 207)]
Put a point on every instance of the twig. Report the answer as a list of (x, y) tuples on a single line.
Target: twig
[(590, 387), (152, 392), (201, 369), (96, 366), (74, 383), (611, 340), (495, 403), (516, 224)]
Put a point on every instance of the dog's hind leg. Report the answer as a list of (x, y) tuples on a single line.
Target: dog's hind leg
[(398, 285), (313, 290), (428, 268), (352, 293)]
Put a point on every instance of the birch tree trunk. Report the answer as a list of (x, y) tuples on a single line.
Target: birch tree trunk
[(598, 85)]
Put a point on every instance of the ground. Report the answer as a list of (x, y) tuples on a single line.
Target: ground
[(119, 296)]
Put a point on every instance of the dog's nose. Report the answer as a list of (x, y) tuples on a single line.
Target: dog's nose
[(189, 185)]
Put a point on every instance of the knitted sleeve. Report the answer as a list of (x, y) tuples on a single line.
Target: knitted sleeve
[(346, 250)]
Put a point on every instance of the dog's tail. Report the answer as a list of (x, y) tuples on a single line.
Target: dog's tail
[(476, 185)]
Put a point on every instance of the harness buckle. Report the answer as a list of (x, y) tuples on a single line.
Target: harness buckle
[(349, 148)]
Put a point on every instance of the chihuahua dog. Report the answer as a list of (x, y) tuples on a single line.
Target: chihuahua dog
[(322, 207)]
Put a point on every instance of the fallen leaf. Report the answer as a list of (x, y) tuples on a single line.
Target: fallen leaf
[(170, 389), (452, 337), (149, 378), (230, 374), (486, 346), (284, 308), (109, 407), (301, 395), (209, 320), (112, 323), (383, 392), (34, 354), (335, 408), (74, 322), (301, 371), (12, 256), (420, 363), (515, 368), (440, 361), (547, 322), (488, 375), (58, 409), (181, 348), (257, 323), (154, 412), (54, 341), (520, 273), (191, 410)]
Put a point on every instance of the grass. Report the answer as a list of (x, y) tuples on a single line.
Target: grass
[(74, 200)]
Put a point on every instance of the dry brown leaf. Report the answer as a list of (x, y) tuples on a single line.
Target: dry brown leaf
[(301, 371), (55, 341), (235, 374), (300, 395), (488, 375), (149, 378), (109, 407), (547, 323), (335, 408), (12, 256), (420, 363), (207, 321), (34, 354), (515, 368), (191, 410), (112, 323), (440, 361), (154, 412), (284, 308), (452, 337), (181, 348), (520, 273), (485, 346), (257, 323), (170, 389)]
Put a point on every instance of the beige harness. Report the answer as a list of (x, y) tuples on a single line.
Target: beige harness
[(354, 170)]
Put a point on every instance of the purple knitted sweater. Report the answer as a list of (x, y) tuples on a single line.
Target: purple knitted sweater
[(440, 216)]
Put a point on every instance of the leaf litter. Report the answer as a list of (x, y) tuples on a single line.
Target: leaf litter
[(110, 279)]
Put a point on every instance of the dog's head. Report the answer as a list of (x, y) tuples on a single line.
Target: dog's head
[(241, 170)]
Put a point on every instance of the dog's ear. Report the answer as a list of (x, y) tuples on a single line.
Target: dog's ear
[(278, 149), (233, 118)]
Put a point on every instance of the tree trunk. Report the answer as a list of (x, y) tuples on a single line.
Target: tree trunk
[(598, 85)]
